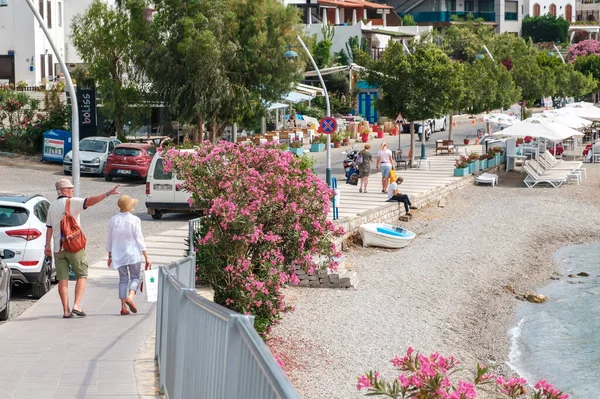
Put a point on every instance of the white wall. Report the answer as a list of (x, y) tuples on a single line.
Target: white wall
[(20, 32), (561, 6)]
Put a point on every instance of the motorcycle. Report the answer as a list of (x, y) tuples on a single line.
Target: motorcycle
[(350, 169), (428, 131)]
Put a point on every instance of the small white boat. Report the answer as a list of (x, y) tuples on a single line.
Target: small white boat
[(385, 235)]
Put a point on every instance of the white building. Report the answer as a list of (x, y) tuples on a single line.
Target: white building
[(558, 8), (25, 53)]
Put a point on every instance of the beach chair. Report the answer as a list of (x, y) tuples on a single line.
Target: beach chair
[(554, 163), (533, 178), (488, 178)]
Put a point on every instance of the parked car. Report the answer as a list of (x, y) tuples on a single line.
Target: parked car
[(23, 233), (93, 152), (129, 160), (5, 285), (438, 124), (163, 191)]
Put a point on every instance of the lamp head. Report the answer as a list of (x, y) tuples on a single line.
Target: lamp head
[(289, 53)]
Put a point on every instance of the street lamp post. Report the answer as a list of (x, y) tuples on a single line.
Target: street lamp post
[(292, 54), (74, 107)]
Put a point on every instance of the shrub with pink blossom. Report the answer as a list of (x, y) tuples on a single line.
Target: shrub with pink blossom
[(583, 48), (428, 377), (266, 214)]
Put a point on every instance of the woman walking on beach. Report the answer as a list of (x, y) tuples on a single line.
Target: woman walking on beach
[(385, 164), (126, 251), (364, 168)]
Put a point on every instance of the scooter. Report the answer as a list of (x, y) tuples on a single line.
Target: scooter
[(427, 132), (350, 158)]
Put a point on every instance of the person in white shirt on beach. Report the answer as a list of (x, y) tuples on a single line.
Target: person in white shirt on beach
[(126, 251)]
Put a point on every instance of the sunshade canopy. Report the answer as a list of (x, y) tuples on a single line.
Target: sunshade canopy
[(540, 127)]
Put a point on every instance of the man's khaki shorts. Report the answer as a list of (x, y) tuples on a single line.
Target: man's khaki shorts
[(78, 260)]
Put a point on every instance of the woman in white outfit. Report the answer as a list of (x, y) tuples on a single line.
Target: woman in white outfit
[(126, 251)]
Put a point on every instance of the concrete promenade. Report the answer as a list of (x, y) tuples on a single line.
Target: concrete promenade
[(45, 356)]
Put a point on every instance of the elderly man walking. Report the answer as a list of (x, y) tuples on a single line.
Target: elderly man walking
[(63, 258)]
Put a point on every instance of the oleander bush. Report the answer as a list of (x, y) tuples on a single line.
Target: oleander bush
[(265, 215)]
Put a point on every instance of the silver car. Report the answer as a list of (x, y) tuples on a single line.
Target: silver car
[(93, 152)]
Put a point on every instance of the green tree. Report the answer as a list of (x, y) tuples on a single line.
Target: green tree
[(102, 36), (589, 65), (465, 41), (419, 85), (408, 20), (572, 83), (546, 28), (321, 49), (218, 61)]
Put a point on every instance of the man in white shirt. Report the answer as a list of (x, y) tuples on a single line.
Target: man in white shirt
[(62, 259), (395, 195)]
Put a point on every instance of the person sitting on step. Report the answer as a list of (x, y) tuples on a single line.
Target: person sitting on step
[(395, 195)]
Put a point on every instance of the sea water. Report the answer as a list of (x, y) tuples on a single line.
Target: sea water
[(559, 340)]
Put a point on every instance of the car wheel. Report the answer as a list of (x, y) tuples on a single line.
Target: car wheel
[(102, 170), (5, 314), (157, 215), (38, 290), (444, 127), (67, 172), (108, 178)]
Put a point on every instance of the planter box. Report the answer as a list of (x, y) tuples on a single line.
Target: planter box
[(380, 134), (317, 147), (483, 164), (472, 167), (491, 162), (498, 159), (297, 151), (364, 138), (461, 172)]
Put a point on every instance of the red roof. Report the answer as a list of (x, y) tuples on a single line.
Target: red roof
[(355, 4)]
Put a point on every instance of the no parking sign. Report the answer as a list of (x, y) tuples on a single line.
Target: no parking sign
[(328, 125)]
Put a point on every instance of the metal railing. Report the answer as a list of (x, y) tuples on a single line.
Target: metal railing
[(205, 350)]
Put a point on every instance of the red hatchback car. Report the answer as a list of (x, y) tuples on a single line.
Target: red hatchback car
[(129, 160)]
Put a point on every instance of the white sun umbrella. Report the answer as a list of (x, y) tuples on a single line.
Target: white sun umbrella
[(572, 121), (539, 127), (500, 119), (580, 104), (582, 111)]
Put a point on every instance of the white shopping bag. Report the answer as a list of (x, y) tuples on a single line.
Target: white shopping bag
[(151, 284)]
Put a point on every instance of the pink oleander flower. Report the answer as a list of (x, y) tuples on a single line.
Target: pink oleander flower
[(363, 382)]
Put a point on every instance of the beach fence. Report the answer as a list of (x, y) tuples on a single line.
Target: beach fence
[(207, 351)]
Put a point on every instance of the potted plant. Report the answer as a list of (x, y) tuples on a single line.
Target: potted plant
[(466, 140), (519, 141), (365, 134), (318, 143), (483, 162), (498, 154), (491, 158), (336, 139), (296, 147), (346, 139), (461, 166), (473, 160)]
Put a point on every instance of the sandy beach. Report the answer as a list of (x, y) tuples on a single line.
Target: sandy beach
[(448, 291)]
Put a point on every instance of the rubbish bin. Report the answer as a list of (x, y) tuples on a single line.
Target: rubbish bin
[(57, 143)]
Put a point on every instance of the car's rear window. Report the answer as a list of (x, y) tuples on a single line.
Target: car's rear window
[(159, 173), (12, 216), (127, 152)]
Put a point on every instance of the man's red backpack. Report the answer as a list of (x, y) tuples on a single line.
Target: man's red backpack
[(72, 238)]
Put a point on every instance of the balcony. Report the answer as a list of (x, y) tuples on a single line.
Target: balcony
[(511, 16), (446, 16)]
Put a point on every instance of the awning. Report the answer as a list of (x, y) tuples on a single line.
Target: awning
[(392, 33), (329, 71), (295, 97), (355, 4), (275, 106)]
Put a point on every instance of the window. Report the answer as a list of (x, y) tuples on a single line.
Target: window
[(536, 10), (569, 12), (40, 210), (43, 65), (49, 9), (151, 151), (42, 8), (59, 14), (12, 216), (553, 10), (50, 67), (111, 147), (127, 152), (159, 173)]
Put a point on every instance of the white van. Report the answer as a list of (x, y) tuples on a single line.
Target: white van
[(162, 193)]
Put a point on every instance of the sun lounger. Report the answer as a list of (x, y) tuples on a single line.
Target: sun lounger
[(533, 178), (535, 165), (488, 178)]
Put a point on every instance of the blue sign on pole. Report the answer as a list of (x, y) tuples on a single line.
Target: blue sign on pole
[(328, 125)]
